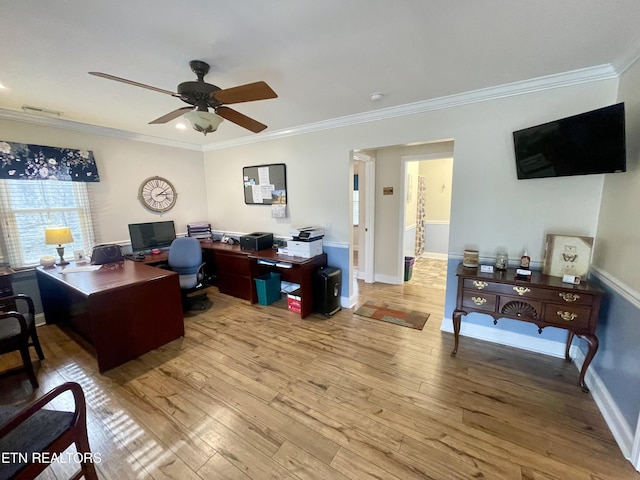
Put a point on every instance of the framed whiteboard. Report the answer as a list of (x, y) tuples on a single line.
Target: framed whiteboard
[(265, 184)]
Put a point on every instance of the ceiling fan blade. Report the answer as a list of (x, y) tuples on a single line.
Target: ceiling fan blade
[(244, 93), (171, 115), (240, 119), (131, 82)]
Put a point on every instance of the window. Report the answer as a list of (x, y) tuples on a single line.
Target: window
[(28, 206)]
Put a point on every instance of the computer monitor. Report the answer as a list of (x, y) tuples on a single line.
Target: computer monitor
[(150, 235)]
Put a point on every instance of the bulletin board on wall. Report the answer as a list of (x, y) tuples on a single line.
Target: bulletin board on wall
[(265, 184)]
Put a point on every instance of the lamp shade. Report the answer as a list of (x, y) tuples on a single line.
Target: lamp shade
[(57, 235), (203, 121)]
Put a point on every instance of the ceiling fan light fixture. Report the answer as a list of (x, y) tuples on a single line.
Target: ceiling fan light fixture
[(205, 122)]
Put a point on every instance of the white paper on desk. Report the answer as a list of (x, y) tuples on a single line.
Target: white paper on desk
[(88, 268)]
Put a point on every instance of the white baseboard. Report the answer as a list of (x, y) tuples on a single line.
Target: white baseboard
[(616, 422), (349, 302), (435, 255), (510, 339), (388, 279), (39, 319)]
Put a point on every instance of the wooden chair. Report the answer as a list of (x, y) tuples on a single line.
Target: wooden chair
[(34, 433), (18, 331)]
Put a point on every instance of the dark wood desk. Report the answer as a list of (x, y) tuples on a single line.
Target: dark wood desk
[(543, 300), (235, 269), (301, 272), (124, 309)]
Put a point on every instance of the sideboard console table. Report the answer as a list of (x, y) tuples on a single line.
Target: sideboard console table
[(542, 300)]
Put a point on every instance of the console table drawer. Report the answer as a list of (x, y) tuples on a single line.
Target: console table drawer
[(528, 291), (567, 316), (517, 307), (479, 300)]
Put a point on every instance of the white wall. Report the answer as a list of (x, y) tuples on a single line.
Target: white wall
[(616, 247), (490, 207), (438, 175), (123, 165)]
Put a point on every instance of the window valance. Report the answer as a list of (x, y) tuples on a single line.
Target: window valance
[(20, 161)]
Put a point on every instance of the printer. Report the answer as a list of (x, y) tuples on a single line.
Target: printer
[(256, 241)]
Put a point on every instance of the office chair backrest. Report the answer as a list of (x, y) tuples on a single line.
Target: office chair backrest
[(185, 258)]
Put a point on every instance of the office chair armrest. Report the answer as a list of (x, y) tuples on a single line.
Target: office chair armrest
[(18, 316), (78, 413), (21, 297)]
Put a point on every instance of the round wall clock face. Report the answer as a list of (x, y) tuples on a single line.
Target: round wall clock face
[(157, 194)]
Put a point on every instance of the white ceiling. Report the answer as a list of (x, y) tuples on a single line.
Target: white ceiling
[(322, 57)]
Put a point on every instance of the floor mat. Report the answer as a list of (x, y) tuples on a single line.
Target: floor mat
[(393, 314)]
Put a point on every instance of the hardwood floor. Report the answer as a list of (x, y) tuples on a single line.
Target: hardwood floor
[(256, 392)]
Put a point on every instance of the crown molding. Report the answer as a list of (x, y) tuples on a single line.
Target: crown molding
[(560, 80), (17, 116), (630, 56)]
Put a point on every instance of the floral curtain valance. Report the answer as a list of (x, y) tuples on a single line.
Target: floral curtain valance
[(19, 161)]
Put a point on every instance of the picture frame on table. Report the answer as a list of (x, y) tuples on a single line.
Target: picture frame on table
[(567, 255), (79, 257)]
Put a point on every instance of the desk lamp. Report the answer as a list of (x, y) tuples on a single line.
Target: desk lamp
[(58, 236)]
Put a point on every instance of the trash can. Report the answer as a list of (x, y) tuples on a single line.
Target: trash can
[(408, 268), (268, 287)]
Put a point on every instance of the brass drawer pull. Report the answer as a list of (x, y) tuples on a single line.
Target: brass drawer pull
[(569, 297), (479, 300), (522, 290), (479, 285), (567, 316)]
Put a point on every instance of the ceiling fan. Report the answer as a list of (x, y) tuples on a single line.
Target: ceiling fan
[(201, 96)]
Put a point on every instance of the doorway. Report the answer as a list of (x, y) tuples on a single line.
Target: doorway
[(363, 216), (426, 214)]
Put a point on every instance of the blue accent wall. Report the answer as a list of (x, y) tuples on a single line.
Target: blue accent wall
[(338, 256), (617, 361)]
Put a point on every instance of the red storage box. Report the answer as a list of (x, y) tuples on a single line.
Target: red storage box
[(293, 301)]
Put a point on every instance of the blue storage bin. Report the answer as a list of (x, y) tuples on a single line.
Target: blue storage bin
[(268, 287)]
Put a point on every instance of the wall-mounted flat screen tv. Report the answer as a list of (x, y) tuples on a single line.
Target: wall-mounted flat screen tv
[(146, 236), (584, 144)]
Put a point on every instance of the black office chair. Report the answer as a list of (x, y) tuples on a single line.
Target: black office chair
[(18, 331), (185, 258)]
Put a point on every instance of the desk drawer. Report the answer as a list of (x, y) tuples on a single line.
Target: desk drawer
[(235, 285), (479, 300), (233, 264), (567, 316)]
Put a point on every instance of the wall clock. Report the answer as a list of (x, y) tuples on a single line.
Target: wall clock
[(157, 194)]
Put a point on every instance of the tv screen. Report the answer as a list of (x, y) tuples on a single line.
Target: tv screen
[(145, 236), (584, 144)]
